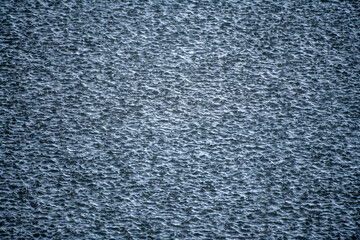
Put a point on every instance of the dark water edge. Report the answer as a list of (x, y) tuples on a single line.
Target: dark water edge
[(179, 119)]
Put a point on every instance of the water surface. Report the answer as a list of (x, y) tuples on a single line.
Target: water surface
[(179, 119)]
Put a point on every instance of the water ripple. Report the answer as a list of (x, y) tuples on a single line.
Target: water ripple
[(179, 120)]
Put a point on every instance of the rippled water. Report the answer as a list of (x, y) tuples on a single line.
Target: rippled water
[(179, 119)]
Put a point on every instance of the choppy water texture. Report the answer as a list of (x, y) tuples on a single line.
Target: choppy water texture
[(180, 119)]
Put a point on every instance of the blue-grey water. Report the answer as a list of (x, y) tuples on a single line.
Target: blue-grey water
[(179, 119)]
